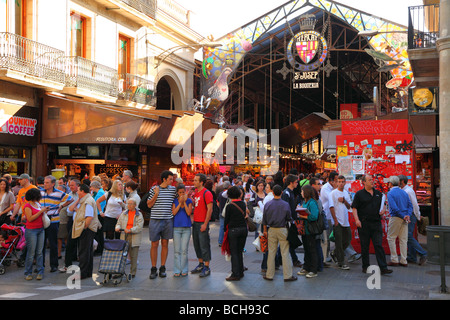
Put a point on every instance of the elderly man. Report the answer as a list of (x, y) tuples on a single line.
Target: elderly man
[(126, 177), (400, 210), (72, 244), (56, 200), (85, 225), (97, 190), (367, 205), (414, 246)]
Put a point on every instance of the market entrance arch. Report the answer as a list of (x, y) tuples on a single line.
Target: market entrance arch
[(253, 66)]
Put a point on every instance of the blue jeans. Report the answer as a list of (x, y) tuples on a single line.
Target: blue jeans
[(181, 238), (414, 247), (221, 230), (35, 239), (201, 242)]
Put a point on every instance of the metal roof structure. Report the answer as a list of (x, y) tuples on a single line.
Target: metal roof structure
[(364, 51)]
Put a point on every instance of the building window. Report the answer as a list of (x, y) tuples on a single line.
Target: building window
[(124, 54), (78, 35)]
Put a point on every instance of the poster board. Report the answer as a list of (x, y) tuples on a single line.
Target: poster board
[(379, 148)]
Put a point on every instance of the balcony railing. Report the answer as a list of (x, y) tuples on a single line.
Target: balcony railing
[(148, 7), (423, 29), (30, 57), (136, 89), (89, 75)]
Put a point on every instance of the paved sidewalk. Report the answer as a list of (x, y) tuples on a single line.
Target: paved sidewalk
[(411, 283)]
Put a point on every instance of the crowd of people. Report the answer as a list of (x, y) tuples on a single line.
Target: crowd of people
[(283, 211)]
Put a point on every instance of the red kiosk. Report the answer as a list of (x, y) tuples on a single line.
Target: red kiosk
[(382, 148)]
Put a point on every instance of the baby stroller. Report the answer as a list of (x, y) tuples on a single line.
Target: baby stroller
[(10, 249), (113, 261)]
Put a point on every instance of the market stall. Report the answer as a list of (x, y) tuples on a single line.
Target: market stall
[(381, 148)]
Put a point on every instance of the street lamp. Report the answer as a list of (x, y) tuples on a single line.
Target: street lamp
[(171, 51)]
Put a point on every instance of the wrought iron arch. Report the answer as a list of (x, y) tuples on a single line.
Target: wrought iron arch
[(237, 43)]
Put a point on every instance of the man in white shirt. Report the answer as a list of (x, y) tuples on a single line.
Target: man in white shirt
[(324, 197), (340, 206), (414, 247)]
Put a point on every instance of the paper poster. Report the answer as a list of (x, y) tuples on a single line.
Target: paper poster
[(345, 166), (358, 165)]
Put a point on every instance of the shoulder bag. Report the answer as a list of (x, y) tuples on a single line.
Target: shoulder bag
[(46, 220), (250, 224)]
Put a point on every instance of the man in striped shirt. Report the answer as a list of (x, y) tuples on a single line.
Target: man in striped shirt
[(54, 199), (160, 200)]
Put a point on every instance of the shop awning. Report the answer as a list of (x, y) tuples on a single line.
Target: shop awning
[(8, 108), (73, 121), (303, 130)]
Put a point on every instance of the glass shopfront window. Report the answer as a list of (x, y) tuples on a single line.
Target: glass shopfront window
[(14, 161)]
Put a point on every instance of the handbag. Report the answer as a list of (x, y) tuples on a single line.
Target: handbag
[(257, 218), (292, 238), (300, 223), (332, 238), (422, 225), (314, 227), (250, 224), (257, 244), (45, 220), (263, 243)]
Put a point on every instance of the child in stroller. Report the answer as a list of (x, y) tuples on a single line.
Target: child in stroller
[(12, 240)]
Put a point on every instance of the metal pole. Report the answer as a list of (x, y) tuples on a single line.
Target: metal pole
[(442, 262)]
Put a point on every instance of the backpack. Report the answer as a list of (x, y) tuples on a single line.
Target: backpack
[(215, 212), (143, 207), (318, 226)]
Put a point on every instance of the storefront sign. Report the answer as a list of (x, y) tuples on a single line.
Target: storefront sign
[(349, 111), (306, 80), (111, 169), (375, 127), (368, 110), (18, 125), (424, 101)]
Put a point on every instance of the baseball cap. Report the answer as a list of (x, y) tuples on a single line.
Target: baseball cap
[(24, 176)]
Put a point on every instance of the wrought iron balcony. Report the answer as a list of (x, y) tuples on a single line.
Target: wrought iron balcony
[(90, 76), (28, 57), (148, 7), (423, 29), (133, 88)]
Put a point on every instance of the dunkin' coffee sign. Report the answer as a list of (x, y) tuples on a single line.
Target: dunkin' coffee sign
[(18, 125)]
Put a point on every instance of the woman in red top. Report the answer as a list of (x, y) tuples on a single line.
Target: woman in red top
[(34, 233)]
